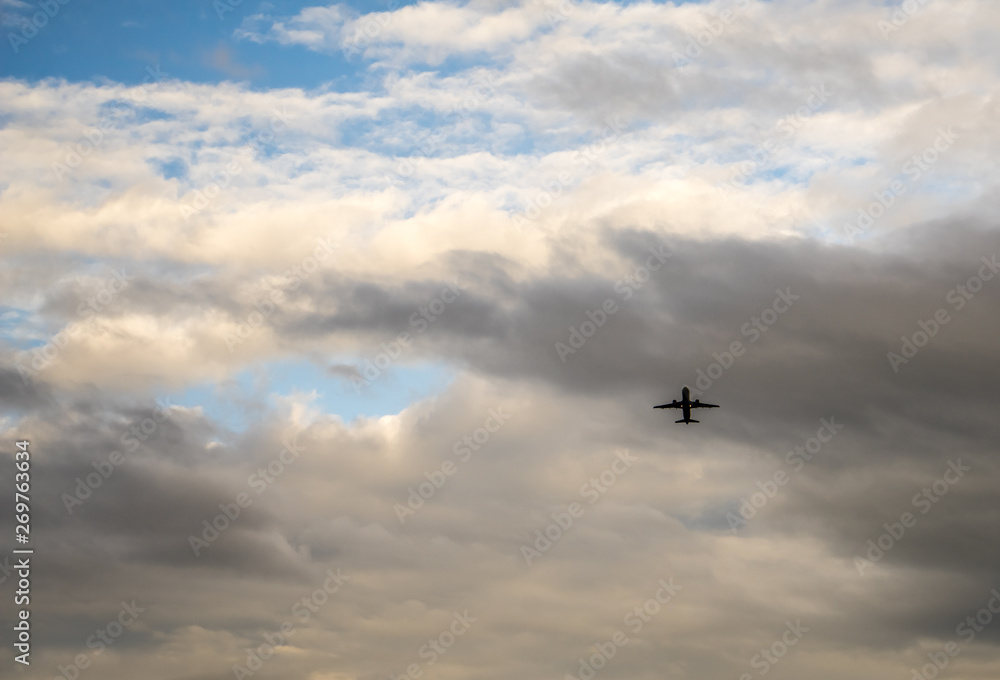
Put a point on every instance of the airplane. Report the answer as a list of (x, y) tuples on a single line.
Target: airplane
[(686, 404)]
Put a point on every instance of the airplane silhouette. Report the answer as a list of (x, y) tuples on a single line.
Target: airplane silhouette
[(686, 404)]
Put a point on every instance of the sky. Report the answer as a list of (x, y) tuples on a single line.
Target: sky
[(335, 334)]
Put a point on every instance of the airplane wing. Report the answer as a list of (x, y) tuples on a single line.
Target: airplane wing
[(698, 404), (673, 404)]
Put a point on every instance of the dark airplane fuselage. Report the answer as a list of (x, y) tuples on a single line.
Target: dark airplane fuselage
[(686, 403)]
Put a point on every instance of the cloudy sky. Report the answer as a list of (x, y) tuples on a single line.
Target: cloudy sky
[(336, 330)]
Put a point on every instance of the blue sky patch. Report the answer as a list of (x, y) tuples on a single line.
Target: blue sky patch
[(246, 397)]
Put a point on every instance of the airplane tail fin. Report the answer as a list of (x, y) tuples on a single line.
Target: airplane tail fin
[(687, 421)]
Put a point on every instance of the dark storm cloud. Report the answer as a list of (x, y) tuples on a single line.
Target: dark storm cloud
[(830, 347), (99, 461), (18, 395), (826, 356)]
